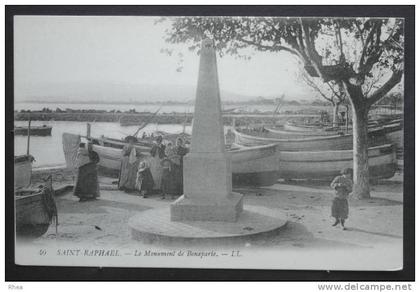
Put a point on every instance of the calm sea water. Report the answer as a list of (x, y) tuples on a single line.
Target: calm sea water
[(48, 151), (152, 108)]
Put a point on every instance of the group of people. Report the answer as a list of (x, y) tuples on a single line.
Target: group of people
[(161, 173)]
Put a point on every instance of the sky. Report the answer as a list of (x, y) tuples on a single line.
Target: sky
[(78, 57)]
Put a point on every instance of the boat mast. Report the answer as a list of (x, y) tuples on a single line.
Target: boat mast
[(278, 106), (88, 130), (29, 136)]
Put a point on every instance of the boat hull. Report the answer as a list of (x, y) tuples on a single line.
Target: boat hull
[(22, 171), (328, 164), (293, 134), (322, 143), (292, 127), (32, 219), (252, 166)]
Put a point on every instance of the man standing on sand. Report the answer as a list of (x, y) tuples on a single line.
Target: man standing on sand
[(343, 186)]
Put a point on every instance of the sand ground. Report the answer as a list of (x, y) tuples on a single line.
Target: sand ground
[(374, 229)]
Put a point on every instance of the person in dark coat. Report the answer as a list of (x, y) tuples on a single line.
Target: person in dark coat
[(87, 186), (343, 186)]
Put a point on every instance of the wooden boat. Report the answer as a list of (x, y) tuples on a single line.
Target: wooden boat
[(256, 166), (35, 131), (35, 210), (250, 166), (23, 164), (23, 170), (281, 132), (325, 165), (318, 127), (310, 143), (292, 126), (142, 145)]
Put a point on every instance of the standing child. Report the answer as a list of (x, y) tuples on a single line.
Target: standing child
[(343, 186), (144, 180)]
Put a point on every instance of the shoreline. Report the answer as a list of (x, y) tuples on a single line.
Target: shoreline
[(129, 118)]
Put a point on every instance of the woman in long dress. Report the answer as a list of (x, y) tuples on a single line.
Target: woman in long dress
[(168, 182), (157, 155), (87, 185), (177, 159), (129, 166)]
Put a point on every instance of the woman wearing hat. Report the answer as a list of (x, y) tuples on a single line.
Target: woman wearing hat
[(343, 186), (129, 165), (157, 155)]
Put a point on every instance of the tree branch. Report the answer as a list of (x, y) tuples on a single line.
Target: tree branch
[(365, 47), (272, 48), (380, 92), (361, 33), (339, 96)]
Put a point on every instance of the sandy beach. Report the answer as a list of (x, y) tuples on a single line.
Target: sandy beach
[(373, 238)]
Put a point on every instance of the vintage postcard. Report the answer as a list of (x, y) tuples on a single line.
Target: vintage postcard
[(209, 142)]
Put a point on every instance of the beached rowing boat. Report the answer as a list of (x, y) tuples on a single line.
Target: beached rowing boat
[(317, 127), (142, 144), (35, 131), (256, 166), (310, 143), (250, 166), (281, 132), (35, 210), (325, 165)]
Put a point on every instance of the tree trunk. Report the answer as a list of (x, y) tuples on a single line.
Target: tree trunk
[(361, 187), (335, 114)]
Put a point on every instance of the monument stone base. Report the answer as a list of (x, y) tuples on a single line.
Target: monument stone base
[(202, 209), (254, 223)]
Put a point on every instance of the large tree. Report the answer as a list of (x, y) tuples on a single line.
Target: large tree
[(354, 52), (331, 91)]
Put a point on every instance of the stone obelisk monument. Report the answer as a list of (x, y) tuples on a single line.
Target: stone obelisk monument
[(208, 192)]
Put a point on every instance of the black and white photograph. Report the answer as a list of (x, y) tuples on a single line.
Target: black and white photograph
[(234, 142)]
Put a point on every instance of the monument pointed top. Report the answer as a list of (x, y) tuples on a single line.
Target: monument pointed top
[(207, 133), (207, 43)]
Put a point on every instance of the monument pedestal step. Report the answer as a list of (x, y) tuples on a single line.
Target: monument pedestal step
[(155, 225), (207, 208)]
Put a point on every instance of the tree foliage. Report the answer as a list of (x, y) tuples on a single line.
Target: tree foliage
[(357, 51)]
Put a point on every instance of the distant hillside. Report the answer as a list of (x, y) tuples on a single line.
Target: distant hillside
[(115, 93)]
